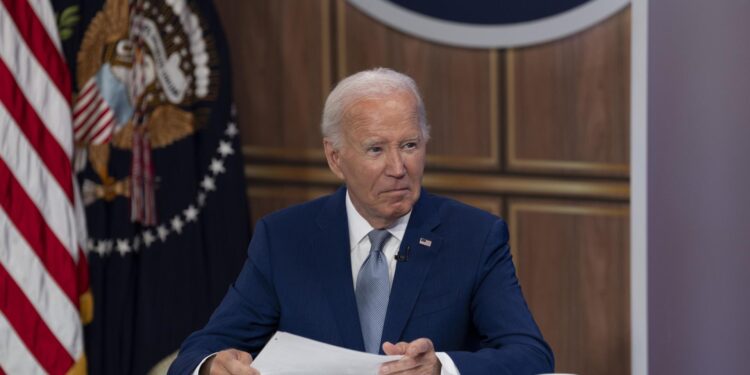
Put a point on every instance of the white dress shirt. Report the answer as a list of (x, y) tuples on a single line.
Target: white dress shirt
[(359, 244)]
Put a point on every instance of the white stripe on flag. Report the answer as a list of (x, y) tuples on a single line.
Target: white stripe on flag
[(88, 111), (14, 355), (43, 189), (85, 121), (54, 312), (46, 16), (36, 85), (104, 129), (92, 123), (88, 93), (53, 306)]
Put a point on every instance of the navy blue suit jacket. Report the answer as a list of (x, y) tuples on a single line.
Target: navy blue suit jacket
[(461, 291)]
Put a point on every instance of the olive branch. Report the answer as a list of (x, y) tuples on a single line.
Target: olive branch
[(67, 20)]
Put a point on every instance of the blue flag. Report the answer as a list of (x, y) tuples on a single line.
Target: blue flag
[(160, 169)]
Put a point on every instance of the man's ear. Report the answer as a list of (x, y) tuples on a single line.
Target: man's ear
[(333, 156)]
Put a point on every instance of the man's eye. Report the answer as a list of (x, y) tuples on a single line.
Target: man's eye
[(374, 149), (410, 145)]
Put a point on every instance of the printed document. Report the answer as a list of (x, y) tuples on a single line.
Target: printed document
[(288, 354)]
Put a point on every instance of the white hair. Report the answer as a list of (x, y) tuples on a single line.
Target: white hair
[(367, 84)]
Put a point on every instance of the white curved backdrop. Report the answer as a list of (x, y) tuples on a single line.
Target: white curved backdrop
[(490, 36)]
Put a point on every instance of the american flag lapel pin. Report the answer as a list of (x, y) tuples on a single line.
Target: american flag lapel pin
[(425, 242)]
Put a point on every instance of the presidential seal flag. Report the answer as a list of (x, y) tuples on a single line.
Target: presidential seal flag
[(160, 171), (43, 273)]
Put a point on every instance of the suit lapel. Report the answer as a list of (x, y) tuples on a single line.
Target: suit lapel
[(335, 269), (424, 246)]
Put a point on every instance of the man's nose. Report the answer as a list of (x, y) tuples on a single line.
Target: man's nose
[(395, 164)]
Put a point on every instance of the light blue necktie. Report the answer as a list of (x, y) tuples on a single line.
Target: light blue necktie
[(373, 290)]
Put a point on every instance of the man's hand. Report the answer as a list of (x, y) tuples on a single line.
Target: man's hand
[(229, 362), (419, 358)]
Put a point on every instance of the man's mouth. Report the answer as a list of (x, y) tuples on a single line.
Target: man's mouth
[(396, 190)]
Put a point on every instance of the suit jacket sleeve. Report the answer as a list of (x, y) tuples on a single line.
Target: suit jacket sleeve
[(241, 321), (511, 342)]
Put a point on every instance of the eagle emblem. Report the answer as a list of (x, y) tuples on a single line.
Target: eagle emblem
[(143, 70)]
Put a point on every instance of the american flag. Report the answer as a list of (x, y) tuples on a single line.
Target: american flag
[(43, 272), (93, 119)]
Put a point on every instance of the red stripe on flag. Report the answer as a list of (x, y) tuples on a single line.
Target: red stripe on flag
[(38, 135), (84, 125), (82, 272), (102, 128), (94, 100), (86, 96), (40, 44), (30, 327), (30, 223), (96, 124)]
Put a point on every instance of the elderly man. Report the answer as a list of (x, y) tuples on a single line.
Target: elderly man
[(381, 265)]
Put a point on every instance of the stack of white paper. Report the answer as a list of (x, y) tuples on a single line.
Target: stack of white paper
[(288, 354)]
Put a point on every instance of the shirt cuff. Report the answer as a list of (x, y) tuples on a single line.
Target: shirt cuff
[(198, 368), (447, 365)]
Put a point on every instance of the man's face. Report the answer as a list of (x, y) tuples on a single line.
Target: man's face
[(381, 157)]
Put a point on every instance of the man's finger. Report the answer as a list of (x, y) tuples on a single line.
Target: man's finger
[(229, 362), (235, 367), (395, 349), (403, 364), (225, 355), (390, 349), (219, 370), (244, 358), (418, 347)]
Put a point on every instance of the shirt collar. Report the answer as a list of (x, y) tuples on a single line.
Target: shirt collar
[(359, 227)]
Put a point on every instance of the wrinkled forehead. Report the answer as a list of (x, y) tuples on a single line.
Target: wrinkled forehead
[(371, 108)]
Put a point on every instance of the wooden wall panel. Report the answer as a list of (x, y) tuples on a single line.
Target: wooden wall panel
[(493, 205), (572, 261), (459, 86), (282, 72), (267, 198), (568, 102), (537, 133)]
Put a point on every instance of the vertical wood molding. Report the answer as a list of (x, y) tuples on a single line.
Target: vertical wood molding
[(325, 43), (341, 38)]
